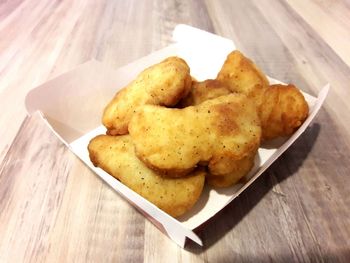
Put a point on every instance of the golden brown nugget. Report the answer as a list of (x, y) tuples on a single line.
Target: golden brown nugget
[(115, 155), (239, 169), (162, 84), (204, 90), (241, 74), (282, 109), (216, 133)]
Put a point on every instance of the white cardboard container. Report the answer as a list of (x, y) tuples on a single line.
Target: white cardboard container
[(71, 105)]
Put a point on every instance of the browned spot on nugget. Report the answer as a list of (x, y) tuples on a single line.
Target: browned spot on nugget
[(226, 123)]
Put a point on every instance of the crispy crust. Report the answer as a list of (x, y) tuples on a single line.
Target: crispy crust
[(204, 90), (216, 132), (115, 155), (162, 84), (170, 172), (241, 74), (240, 168), (282, 110)]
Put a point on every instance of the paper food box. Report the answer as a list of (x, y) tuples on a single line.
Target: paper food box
[(72, 105)]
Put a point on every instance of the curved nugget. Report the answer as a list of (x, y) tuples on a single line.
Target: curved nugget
[(115, 155), (241, 74), (217, 133), (164, 83)]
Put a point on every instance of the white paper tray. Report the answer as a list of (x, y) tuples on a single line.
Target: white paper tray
[(72, 105)]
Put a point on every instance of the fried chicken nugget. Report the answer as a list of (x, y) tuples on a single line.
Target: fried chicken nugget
[(164, 83), (282, 109), (115, 155), (217, 133), (204, 90), (241, 74), (238, 170)]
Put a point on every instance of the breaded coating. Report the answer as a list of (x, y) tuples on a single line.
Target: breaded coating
[(239, 170), (282, 109), (216, 133), (241, 74), (204, 90), (162, 84), (115, 155)]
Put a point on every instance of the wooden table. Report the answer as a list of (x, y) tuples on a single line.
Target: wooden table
[(53, 209)]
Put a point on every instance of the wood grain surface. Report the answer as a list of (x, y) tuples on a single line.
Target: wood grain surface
[(54, 209)]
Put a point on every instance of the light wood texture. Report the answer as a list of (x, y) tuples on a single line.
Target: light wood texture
[(54, 209)]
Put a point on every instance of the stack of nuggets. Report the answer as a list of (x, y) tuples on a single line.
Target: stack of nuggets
[(281, 108), (167, 134), (115, 155), (220, 133)]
